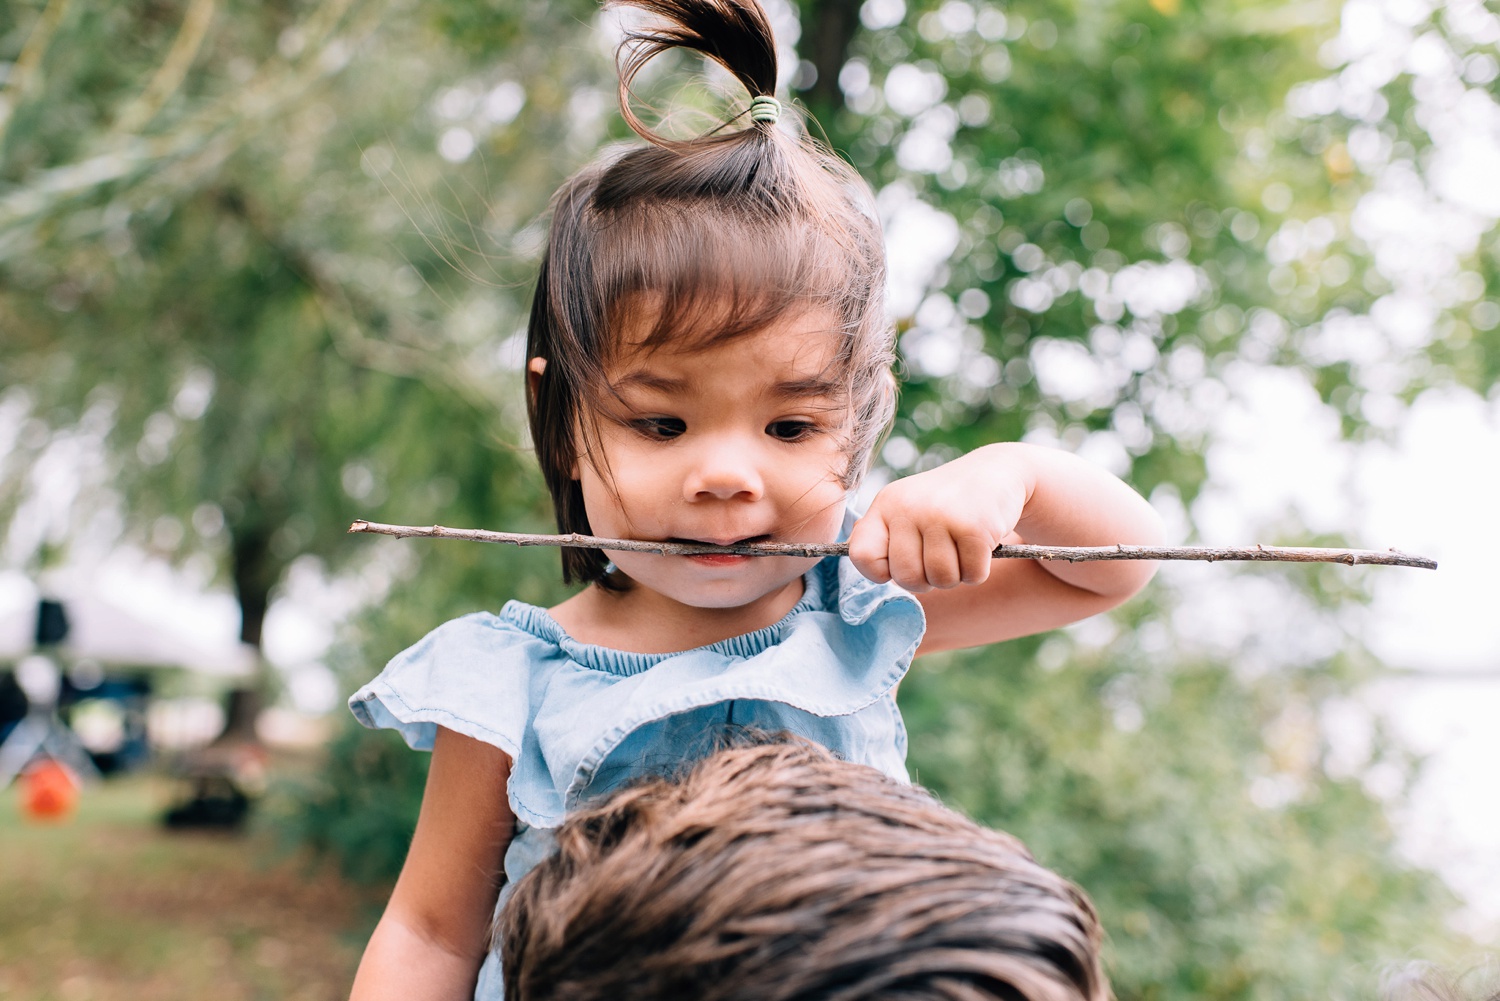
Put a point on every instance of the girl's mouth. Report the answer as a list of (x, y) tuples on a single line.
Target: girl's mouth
[(720, 560), (723, 559)]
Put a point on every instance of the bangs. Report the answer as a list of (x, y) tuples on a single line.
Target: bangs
[(710, 277)]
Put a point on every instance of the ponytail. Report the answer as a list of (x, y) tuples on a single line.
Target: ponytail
[(734, 34)]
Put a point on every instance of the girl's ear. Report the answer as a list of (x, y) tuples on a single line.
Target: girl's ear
[(534, 369)]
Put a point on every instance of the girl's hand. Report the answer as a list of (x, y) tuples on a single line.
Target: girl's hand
[(938, 529)]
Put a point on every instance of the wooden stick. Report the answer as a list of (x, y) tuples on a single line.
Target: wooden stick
[(1073, 554)]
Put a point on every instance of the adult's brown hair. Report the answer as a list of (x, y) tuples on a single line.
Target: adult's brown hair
[(707, 238), (778, 872)]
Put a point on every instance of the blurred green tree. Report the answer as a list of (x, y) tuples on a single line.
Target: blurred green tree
[(188, 251), (1150, 186), (281, 255)]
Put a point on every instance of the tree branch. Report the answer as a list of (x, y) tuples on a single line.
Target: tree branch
[(209, 134), (1073, 554), (27, 68), (172, 71)]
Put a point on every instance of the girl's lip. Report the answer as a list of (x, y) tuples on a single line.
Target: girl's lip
[(720, 559), (747, 540), (723, 559)]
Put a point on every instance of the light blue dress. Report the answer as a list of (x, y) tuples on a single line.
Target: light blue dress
[(578, 721)]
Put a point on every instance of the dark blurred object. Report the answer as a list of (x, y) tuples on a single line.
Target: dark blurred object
[(225, 775), (51, 623), (13, 702), (129, 696), (41, 734), (216, 802)]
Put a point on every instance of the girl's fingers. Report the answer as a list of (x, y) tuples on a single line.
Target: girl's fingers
[(975, 556), (940, 560), (869, 544), (919, 544), (907, 567)]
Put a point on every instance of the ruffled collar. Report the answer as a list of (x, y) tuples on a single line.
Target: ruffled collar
[(817, 584)]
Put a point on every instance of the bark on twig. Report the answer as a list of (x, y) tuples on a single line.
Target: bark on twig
[(1073, 554)]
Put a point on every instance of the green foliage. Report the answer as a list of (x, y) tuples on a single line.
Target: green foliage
[(485, 28), (362, 807), (266, 358), (1085, 139), (1229, 859), (1224, 864), (1082, 147)]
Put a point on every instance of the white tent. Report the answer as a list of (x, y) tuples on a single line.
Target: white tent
[(101, 631)]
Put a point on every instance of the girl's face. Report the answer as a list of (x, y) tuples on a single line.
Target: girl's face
[(741, 441)]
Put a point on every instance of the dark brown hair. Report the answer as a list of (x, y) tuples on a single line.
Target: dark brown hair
[(720, 234), (778, 872)]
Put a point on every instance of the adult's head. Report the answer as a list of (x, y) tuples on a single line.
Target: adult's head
[(777, 872)]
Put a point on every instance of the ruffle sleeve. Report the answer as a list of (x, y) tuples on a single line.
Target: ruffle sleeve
[(480, 676)]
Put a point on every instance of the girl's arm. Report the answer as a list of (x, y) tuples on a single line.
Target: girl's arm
[(933, 533), (435, 932)]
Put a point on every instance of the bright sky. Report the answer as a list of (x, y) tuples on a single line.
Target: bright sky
[(1430, 490)]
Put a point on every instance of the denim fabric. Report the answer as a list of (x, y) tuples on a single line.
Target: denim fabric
[(578, 721)]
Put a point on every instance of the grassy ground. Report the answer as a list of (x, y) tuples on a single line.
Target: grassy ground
[(110, 907)]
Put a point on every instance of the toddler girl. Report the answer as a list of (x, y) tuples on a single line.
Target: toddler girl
[(709, 360)]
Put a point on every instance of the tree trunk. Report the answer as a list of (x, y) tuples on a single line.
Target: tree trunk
[(255, 570), (828, 28)]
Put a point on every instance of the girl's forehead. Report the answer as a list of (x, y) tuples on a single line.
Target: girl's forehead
[(647, 324), (794, 357)]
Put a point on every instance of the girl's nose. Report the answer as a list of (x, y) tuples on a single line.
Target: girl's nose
[(722, 471)]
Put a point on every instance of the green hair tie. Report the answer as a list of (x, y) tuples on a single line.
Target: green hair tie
[(765, 109)]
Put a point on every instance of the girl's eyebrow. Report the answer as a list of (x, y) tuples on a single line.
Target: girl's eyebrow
[(799, 389), (650, 380), (802, 389)]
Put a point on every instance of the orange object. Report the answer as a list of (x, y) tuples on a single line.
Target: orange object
[(49, 791)]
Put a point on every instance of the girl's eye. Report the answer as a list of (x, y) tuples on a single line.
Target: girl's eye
[(791, 430), (660, 428)]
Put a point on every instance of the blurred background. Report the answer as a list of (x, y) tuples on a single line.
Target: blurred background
[(265, 268)]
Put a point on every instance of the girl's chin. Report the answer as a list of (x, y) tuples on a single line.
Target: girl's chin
[(717, 589)]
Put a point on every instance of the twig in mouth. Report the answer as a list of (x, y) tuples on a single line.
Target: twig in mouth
[(1073, 554)]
